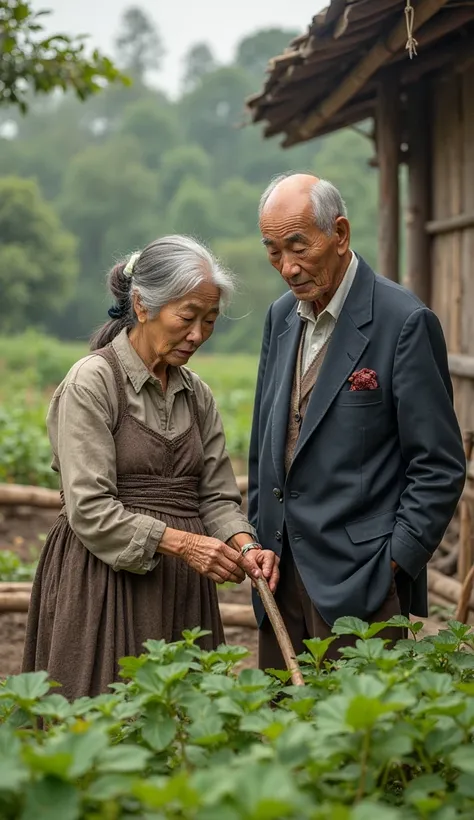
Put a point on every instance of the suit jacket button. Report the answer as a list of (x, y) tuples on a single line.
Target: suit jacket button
[(277, 493), (278, 535)]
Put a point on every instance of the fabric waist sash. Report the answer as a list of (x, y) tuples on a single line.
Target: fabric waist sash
[(171, 496)]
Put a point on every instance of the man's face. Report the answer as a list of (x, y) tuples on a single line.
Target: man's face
[(311, 262)]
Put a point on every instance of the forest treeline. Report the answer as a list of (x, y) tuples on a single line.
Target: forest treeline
[(83, 183)]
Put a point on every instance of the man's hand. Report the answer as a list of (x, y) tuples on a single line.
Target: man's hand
[(262, 562), (394, 566)]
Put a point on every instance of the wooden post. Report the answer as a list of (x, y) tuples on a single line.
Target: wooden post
[(418, 242), (388, 152)]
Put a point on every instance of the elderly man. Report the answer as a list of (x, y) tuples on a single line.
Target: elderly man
[(356, 458)]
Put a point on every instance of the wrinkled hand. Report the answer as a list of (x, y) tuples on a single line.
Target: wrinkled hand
[(213, 558), (262, 562)]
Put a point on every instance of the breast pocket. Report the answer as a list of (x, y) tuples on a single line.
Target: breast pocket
[(359, 398)]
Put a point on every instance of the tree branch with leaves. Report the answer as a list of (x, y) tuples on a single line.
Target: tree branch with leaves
[(33, 63)]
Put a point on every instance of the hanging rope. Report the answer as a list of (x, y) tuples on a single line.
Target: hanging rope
[(410, 21)]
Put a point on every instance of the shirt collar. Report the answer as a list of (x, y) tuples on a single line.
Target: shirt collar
[(137, 371), (305, 309)]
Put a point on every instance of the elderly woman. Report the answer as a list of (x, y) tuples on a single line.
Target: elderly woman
[(151, 518)]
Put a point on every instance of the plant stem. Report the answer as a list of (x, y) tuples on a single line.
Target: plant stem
[(363, 772)]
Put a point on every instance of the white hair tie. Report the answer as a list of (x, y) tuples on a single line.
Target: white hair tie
[(128, 269)]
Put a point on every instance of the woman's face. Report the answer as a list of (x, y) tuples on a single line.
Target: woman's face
[(179, 329)]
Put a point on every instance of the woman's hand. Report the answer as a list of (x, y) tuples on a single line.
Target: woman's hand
[(208, 556), (262, 562)]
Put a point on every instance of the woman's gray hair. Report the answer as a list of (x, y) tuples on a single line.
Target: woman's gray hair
[(327, 202), (166, 270)]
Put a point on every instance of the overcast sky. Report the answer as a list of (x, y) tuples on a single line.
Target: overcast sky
[(182, 23)]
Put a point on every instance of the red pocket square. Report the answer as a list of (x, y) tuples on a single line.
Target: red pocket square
[(364, 379)]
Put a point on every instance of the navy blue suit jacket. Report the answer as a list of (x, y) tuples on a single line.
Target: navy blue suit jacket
[(377, 474)]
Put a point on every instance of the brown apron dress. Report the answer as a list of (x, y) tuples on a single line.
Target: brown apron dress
[(83, 615)]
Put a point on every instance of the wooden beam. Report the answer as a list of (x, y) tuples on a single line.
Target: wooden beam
[(461, 365), (378, 56), (388, 151), (418, 120), (450, 224)]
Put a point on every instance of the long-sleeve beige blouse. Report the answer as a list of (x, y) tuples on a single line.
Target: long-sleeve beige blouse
[(81, 419)]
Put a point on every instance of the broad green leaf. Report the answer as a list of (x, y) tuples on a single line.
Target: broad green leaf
[(228, 706), (110, 786), (27, 687), (393, 745), (208, 731), (148, 679), (423, 787), (159, 730), (376, 811), (124, 758), (331, 715), (172, 672), (192, 635), (441, 742), (217, 683), (85, 749), (318, 647), (350, 626), (253, 679), (363, 713), (434, 683), (52, 799), (13, 774), (460, 630), (463, 759), (280, 674), (54, 707), (48, 761)]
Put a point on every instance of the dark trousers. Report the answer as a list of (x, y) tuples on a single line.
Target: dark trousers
[(303, 620)]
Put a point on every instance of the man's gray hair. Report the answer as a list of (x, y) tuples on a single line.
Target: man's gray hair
[(327, 202)]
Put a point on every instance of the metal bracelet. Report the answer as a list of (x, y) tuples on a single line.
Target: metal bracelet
[(252, 546)]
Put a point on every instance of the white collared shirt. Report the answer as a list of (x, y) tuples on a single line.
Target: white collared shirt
[(319, 328)]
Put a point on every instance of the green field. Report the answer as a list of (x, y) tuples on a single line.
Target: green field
[(32, 365)]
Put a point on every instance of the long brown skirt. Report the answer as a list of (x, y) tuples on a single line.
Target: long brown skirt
[(84, 616)]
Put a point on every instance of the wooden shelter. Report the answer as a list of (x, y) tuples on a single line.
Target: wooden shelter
[(354, 64)]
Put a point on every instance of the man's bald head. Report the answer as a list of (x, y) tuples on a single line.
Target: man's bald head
[(304, 226), (301, 191)]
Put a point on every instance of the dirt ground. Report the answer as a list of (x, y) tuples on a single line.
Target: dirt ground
[(24, 533)]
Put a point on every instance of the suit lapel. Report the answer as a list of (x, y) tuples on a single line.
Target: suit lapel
[(345, 348), (287, 352)]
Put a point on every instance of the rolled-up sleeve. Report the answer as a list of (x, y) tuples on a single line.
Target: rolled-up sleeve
[(87, 462), (219, 496)]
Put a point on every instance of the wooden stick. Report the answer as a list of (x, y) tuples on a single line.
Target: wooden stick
[(281, 632), (465, 547), (462, 611)]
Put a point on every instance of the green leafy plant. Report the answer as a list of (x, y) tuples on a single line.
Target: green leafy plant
[(381, 735), (12, 568)]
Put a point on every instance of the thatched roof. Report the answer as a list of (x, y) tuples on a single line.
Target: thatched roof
[(346, 35)]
